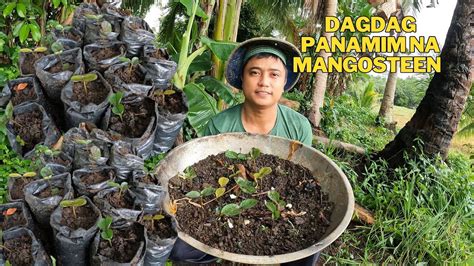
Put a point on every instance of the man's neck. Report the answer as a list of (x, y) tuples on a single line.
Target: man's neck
[(258, 120)]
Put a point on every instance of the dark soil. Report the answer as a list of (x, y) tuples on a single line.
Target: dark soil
[(97, 177), (61, 67), (58, 160), (96, 92), (121, 11), (105, 53), (29, 127), (16, 219), (120, 201), (18, 250), (254, 231), (161, 228), (18, 185), (21, 96), (131, 75), (159, 54), (125, 244), (85, 217), (150, 179), (135, 121), (68, 34), (50, 192), (28, 65), (172, 103)]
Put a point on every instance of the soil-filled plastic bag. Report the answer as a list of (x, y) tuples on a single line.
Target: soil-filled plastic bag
[(86, 106), (137, 125), (18, 240), (117, 203), (81, 13), (43, 196), (128, 246), (57, 163), (15, 186), (149, 194), (161, 236), (89, 181), (98, 29), (101, 56), (124, 159), (136, 33), (21, 91), (172, 110), (72, 236), (129, 79), (30, 126), (14, 215), (54, 71), (28, 59), (68, 37), (159, 72), (114, 15)]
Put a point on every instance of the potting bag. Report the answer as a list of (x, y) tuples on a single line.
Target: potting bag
[(20, 206), (40, 257), (119, 85), (112, 14), (7, 93), (68, 43), (158, 251), (11, 184), (43, 207), (91, 190), (124, 160), (76, 112), (57, 168), (79, 18), (148, 196), (159, 72), (142, 146), (85, 150), (24, 59), (102, 65), (72, 246), (53, 83), (116, 213), (138, 259), (94, 34), (136, 38), (50, 131)]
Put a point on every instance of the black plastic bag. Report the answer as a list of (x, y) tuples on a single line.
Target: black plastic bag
[(136, 33), (15, 186), (113, 77), (88, 188), (67, 63), (148, 195), (58, 164), (80, 13), (129, 229), (124, 159), (143, 144), (151, 51), (77, 112), (129, 214), (159, 72), (69, 38), (92, 52), (42, 207), (72, 245), (21, 217), (98, 29), (114, 15), (172, 111), (18, 95), (39, 255), (161, 236), (50, 133), (27, 61)]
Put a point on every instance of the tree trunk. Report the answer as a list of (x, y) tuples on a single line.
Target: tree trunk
[(386, 106), (437, 117), (320, 82), (208, 7)]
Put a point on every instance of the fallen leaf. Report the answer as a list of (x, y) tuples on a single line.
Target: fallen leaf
[(59, 144), (20, 86), (294, 146), (173, 207), (242, 170), (9, 211)]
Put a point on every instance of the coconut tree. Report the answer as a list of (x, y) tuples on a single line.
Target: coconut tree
[(437, 117)]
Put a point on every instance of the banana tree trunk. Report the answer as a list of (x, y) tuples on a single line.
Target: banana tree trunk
[(320, 82), (208, 7), (437, 117)]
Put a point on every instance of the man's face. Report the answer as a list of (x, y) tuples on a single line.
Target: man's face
[(263, 81)]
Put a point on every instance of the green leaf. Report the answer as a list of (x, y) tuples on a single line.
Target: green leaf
[(188, 4), (24, 32), (245, 185), (56, 3), (35, 32), (73, 203), (16, 30), (220, 48), (105, 222), (220, 88), (207, 191), (21, 10), (274, 196), (157, 217), (193, 194), (202, 62), (46, 171), (9, 110), (231, 154), (8, 9), (223, 181), (202, 107), (107, 234), (124, 59), (230, 210), (135, 61), (241, 156), (219, 192), (254, 153), (263, 172), (273, 208), (89, 77), (248, 203), (57, 47), (113, 184), (95, 153), (40, 49)]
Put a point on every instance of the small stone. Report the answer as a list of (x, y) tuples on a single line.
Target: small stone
[(232, 196), (230, 224), (246, 222), (289, 206)]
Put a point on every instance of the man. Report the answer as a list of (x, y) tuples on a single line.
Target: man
[(263, 69)]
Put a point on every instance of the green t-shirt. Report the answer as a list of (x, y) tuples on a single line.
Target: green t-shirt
[(289, 124)]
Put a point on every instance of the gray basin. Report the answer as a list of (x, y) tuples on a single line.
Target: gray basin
[(332, 180)]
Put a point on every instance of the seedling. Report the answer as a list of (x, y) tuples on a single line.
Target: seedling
[(122, 186), (116, 101), (73, 204), (264, 171), (235, 209), (20, 140), (106, 231), (40, 49), (57, 49), (188, 174), (42, 149), (22, 176), (252, 155), (223, 181), (132, 62), (105, 29), (161, 94), (153, 219), (276, 205), (86, 78), (46, 172)]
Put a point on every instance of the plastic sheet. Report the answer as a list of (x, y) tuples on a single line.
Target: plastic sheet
[(64, 37)]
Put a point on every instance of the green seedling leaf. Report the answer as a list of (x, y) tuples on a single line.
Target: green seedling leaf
[(105, 27), (155, 217), (231, 154), (40, 49), (254, 153), (84, 78), (242, 157), (9, 110), (7, 263), (207, 191), (248, 203), (95, 153), (113, 184), (193, 194), (20, 140), (189, 173), (135, 61), (29, 174), (169, 92), (262, 172), (46, 172), (94, 17), (117, 107), (107, 234), (105, 222), (83, 141), (57, 47), (223, 181), (124, 59), (245, 185), (230, 210), (219, 192), (73, 203), (26, 50), (273, 208), (14, 175), (274, 196)]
